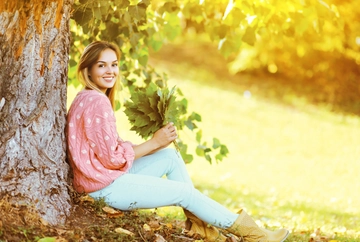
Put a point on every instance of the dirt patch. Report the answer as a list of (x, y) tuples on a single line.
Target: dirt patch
[(89, 221)]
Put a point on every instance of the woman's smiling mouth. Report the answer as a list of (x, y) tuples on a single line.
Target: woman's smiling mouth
[(108, 79)]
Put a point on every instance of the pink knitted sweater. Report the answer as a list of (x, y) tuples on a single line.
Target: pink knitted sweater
[(97, 154)]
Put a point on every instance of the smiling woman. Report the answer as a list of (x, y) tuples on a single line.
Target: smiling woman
[(130, 176)]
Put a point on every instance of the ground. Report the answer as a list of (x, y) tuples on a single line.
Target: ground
[(90, 221)]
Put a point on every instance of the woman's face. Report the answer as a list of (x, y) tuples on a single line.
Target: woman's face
[(104, 72)]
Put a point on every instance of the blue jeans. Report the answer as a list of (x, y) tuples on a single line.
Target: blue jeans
[(144, 187)]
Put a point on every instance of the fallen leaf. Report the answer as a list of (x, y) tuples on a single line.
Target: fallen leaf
[(87, 198), (154, 224), (169, 225), (124, 231), (146, 227), (159, 238), (109, 210), (47, 239), (112, 212), (52, 239)]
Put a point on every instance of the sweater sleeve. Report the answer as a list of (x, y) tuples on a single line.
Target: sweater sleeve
[(100, 129)]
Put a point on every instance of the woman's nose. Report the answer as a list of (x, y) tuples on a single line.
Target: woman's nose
[(109, 69)]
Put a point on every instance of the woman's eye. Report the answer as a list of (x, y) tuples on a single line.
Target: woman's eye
[(101, 65), (115, 64)]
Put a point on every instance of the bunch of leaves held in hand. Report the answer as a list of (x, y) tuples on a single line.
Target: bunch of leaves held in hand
[(151, 108)]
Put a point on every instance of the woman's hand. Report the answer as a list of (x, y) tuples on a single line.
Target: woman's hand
[(164, 136), (161, 139)]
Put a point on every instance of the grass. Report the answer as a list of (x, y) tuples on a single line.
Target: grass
[(291, 164)]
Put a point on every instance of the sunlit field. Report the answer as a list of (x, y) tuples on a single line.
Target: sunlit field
[(289, 166)]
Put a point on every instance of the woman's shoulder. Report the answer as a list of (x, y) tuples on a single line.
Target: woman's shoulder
[(88, 93), (87, 100), (91, 97)]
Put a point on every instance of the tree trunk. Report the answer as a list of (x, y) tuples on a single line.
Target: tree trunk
[(34, 50)]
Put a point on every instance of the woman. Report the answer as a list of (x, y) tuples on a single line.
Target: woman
[(129, 176)]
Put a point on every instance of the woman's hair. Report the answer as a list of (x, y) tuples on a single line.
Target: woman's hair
[(88, 58)]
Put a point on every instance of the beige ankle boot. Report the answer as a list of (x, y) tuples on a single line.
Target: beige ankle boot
[(197, 226), (276, 236), (246, 228)]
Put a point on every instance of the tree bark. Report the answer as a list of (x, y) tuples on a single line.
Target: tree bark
[(34, 50)]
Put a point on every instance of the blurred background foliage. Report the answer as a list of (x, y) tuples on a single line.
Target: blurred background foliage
[(311, 47)]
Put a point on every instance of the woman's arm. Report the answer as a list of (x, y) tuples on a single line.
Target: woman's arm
[(161, 139)]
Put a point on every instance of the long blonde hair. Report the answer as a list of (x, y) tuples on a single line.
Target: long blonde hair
[(88, 58)]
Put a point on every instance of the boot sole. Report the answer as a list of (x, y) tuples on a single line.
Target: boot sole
[(285, 237)]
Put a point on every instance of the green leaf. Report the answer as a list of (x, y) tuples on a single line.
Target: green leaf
[(137, 12), (97, 13), (221, 31), (72, 63), (134, 39), (156, 41), (219, 157), (195, 116), (171, 7), (188, 158), (216, 143), (161, 110), (145, 3), (143, 60), (172, 28), (154, 116), (249, 37), (112, 30), (82, 17), (224, 150), (145, 107), (151, 89), (178, 90), (183, 151), (234, 17), (122, 3), (200, 150), (199, 136), (141, 122), (117, 105), (227, 46), (208, 158), (190, 124), (153, 104), (105, 8), (47, 239)]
